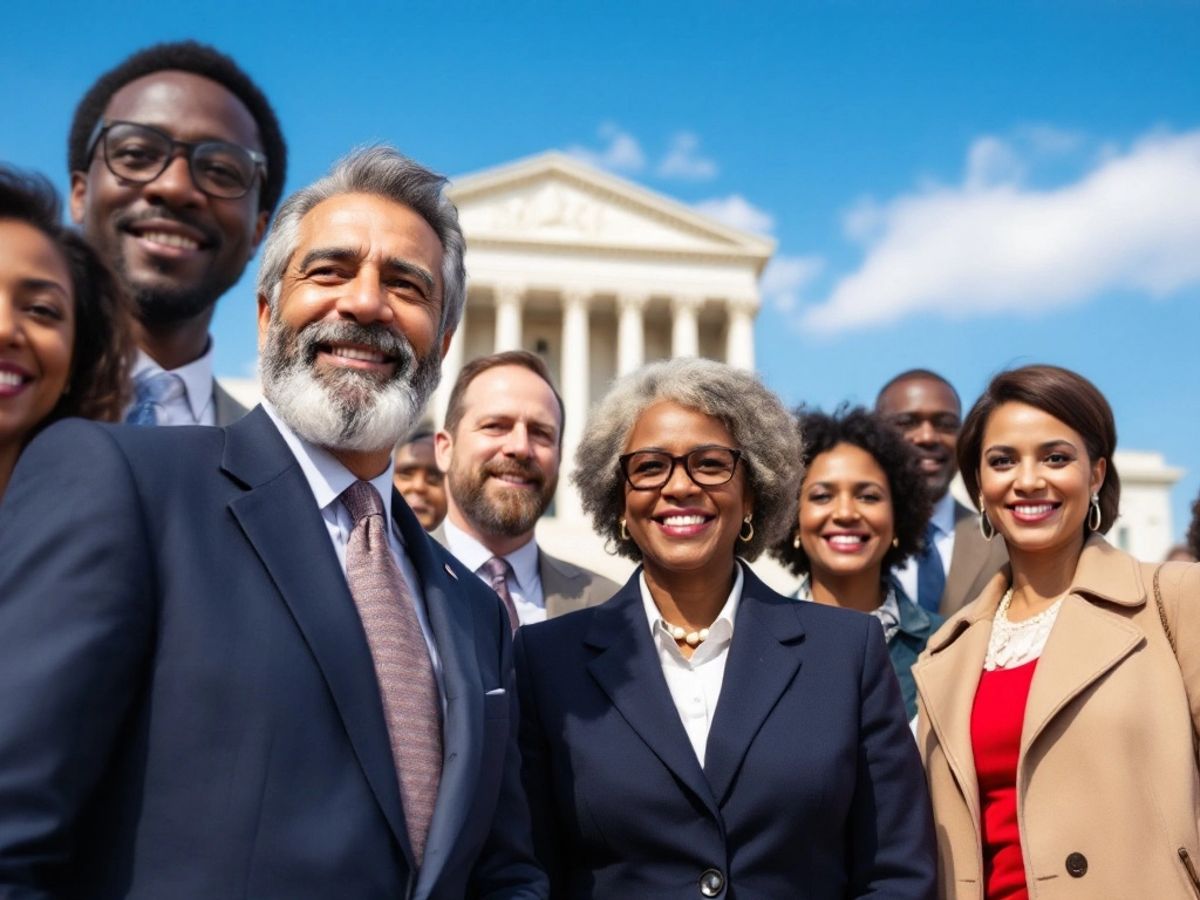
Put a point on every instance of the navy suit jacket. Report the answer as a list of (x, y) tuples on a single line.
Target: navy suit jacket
[(189, 708), (811, 787)]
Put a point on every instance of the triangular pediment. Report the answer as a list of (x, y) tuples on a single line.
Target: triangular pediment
[(556, 200)]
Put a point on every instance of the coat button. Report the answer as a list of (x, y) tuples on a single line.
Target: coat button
[(712, 882), (1076, 865)]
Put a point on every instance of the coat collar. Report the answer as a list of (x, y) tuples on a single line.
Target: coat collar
[(760, 666), (1085, 643)]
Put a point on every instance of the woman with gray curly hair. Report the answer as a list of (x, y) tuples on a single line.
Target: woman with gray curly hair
[(700, 732)]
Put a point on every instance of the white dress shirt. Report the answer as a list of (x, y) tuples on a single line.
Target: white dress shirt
[(524, 581), (196, 406), (695, 684), (328, 479), (943, 521)]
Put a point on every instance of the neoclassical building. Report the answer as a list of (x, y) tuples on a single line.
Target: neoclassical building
[(597, 276)]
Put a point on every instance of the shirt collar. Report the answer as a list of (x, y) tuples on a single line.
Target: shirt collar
[(472, 554), (327, 477), (943, 514), (727, 615), (197, 378)]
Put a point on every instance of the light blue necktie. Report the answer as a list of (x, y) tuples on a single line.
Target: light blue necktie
[(152, 392), (931, 574)]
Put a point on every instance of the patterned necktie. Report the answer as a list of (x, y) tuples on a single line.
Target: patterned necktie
[(411, 705), (497, 569), (152, 391), (931, 574)]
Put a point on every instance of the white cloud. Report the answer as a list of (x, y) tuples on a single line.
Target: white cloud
[(737, 212), (786, 276), (683, 160), (621, 151), (995, 246)]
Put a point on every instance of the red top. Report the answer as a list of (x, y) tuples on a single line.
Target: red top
[(996, 720)]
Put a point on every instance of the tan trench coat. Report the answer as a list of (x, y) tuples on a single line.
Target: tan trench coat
[(1107, 786)]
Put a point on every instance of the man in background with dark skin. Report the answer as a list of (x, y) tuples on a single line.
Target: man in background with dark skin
[(957, 561), (177, 161), (419, 480)]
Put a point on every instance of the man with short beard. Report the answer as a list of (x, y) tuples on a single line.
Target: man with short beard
[(176, 161), (234, 664), (500, 450)]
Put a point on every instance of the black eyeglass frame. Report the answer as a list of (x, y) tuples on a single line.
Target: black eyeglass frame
[(189, 147), (623, 464)]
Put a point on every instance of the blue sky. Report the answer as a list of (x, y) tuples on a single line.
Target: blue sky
[(961, 186)]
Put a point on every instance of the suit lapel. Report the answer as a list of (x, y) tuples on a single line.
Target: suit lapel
[(453, 626), (279, 517), (627, 669), (763, 660)]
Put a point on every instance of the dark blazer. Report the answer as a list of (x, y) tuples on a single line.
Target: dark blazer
[(189, 705), (811, 787), (917, 626)]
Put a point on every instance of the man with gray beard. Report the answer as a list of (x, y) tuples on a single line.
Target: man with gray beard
[(234, 664), (500, 450)]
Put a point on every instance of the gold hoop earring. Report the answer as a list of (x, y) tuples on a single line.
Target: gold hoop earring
[(747, 538), (624, 531), (1095, 515), (986, 528)]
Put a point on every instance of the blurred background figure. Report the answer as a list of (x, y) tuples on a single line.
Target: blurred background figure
[(700, 733), (1065, 671), (954, 562), (66, 341), (1180, 553), (419, 480), (863, 508)]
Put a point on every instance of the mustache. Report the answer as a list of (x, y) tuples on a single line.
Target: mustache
[(529, 471), (123, 221), (375, 337)]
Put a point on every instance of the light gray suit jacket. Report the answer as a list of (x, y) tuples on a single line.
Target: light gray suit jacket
[(974, 562), (566, 587)]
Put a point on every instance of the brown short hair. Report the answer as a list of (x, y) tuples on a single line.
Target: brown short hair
[(479, 365), (1067, 396)]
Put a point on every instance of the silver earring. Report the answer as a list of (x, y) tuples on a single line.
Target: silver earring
[(747, 538), (986, 528), (1095, 516)]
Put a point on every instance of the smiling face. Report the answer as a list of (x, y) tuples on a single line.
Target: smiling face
[(927, 413), (683, 527), (350, 351), (420, 482), (1036, 479), (37, 329), (176, 248), (846, 523), (502, 460)]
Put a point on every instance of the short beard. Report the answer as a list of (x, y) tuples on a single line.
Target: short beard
[(511, 514), (160, 308), (345, 409)]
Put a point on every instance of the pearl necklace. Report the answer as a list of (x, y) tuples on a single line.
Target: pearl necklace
[(1016, 643), (691, 638)]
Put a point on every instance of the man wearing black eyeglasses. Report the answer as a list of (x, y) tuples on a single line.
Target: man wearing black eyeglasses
[(177, 161)]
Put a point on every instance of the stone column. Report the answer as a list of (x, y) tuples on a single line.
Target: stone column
[(451, 363), (510, 302), (631, 334), (685, 328), (576, 367), (739, 338)]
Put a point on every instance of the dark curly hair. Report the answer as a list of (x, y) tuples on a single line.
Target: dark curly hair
[(1193, 535), (104, 348), (198, 59), (1067, 396), (911, 504)]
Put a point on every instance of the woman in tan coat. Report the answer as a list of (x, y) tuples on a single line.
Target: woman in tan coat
[(1056, 719)]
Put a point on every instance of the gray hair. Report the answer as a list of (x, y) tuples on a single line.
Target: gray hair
[(760, 425), (383, 172)]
